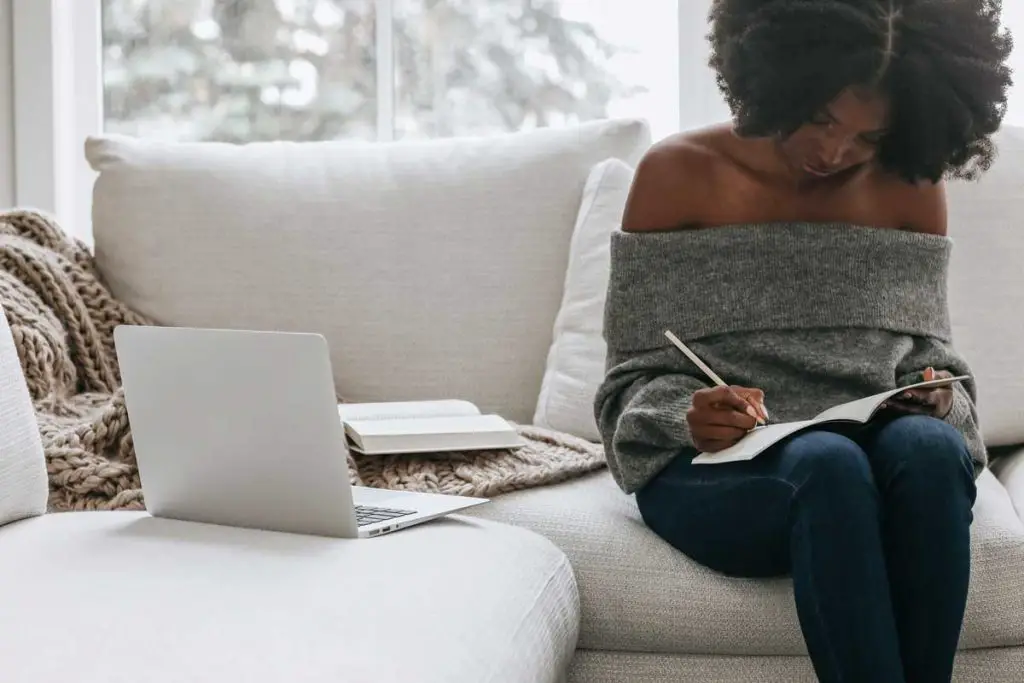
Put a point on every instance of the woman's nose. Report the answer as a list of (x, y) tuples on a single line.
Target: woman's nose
[(834, 151)]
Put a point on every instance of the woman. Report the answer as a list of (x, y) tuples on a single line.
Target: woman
[(801, 252)]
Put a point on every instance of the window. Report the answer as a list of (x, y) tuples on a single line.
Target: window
[(242, 70)]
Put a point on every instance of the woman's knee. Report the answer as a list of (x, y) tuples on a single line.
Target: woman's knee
[(918, 443), (834, 461)]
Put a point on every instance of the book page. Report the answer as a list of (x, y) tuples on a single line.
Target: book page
[(860, 410), (425, 435), (475, 424), (863, 409), (404, 410)]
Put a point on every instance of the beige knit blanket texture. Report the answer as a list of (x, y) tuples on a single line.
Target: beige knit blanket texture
[(63, 319)]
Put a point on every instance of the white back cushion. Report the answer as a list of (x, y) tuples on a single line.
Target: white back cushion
[(434, 269), (23, 481), (986, 221), (576, 360)]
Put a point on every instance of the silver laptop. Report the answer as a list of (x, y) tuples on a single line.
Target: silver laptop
[(241, 428)]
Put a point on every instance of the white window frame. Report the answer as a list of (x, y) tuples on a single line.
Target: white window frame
[(57, 104), (57, 87), (6, 106)]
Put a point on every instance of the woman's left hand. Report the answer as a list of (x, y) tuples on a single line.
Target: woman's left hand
[(934, 401)]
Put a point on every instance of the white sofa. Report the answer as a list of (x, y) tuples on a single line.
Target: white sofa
[(121, 597), (435, 270)]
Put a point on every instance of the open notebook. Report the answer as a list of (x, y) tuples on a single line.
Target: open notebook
[(424, 427), (861, 410)]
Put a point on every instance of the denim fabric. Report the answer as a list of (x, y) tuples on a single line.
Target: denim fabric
[(872, 523)]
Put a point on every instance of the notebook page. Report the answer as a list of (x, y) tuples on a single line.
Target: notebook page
[(751, 445), (404, 410)]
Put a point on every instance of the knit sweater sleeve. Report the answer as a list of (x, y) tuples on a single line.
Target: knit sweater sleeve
[(963, 415), (641, 413)]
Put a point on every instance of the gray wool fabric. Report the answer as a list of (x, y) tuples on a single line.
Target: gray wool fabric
[(814, 314)]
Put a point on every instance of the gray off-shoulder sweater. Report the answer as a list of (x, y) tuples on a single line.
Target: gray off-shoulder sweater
[(814, 314)]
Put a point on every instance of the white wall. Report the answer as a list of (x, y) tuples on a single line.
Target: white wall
[(6, 107)]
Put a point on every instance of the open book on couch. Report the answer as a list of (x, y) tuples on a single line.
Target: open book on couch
[(859, 411), (424, 427)]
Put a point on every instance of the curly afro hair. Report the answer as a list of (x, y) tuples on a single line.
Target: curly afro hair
[(941, 63)]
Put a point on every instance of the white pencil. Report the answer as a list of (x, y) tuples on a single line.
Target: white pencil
[(678, 343), (692, 356)]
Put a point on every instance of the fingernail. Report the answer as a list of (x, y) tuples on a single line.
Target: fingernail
[(752, 413), (905, 396), (764, 411)]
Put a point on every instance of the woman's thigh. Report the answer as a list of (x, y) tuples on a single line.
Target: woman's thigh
[(736, 518)]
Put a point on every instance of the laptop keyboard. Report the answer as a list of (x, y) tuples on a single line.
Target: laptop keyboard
[(366, 515)]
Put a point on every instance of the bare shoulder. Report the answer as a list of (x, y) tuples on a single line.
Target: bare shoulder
[(916, 206), (671, 183)]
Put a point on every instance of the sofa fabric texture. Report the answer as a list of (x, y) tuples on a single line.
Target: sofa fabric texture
[(638, 594), (23, 480), (459, 601), (389, 250), (595, 666)]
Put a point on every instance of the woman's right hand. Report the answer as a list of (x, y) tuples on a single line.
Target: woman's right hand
[(721, 416)]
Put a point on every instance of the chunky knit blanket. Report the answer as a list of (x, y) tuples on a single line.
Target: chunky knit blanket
[(63, 319)]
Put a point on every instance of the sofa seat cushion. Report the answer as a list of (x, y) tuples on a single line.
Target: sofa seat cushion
[(123, 597), (639, 594)]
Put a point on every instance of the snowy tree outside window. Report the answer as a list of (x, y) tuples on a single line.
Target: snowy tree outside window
[(250, 70)]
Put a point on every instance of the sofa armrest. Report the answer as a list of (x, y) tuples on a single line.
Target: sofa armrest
[(23, 481), (1009, 469)]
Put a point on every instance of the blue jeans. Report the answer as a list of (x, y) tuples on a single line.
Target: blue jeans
[(872, 523)]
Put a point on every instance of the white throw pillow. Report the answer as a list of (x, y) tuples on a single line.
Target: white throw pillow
[(576, 359), (23, 481), (433, 268)]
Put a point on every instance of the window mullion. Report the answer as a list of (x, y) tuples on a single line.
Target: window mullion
[(57, 96), (35, 53), (385, 53)]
